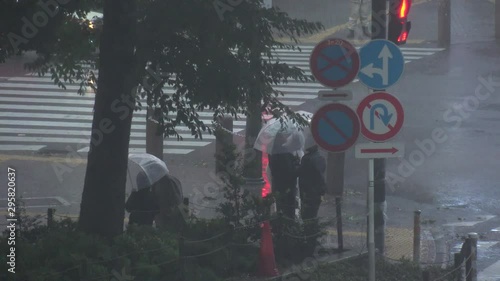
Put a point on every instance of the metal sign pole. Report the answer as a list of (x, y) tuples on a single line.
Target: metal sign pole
[(371, 220)]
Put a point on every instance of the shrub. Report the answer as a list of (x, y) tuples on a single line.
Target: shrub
[(216, 245), (295, 241), (64, 253), (356, 269)]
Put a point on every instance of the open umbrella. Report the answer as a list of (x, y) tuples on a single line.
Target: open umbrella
[(279, 137), (147, 168), (306, 131)]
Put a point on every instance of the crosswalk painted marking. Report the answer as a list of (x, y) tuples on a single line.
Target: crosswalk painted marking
[(469, 223), (88, 117), (51, 132), (24, 123), (35, 113), (86, 141)]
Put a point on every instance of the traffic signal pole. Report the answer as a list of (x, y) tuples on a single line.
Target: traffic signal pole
[(379, 31)]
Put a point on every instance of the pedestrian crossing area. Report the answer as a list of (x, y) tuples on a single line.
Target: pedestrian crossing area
[(36, 115)]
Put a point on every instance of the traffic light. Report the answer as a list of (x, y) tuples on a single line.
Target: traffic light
[(399, 26)]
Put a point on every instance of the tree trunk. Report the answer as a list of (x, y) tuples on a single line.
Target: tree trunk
[(103, 199), (154, 141), (253, 161)]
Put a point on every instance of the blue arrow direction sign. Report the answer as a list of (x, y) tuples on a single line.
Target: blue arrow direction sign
[(382, 64), (386, 117)]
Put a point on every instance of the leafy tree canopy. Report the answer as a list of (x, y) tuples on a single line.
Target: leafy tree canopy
[(212, 63)]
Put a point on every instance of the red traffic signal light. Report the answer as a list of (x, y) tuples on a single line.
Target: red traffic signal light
[(399, 26), (404, 9)]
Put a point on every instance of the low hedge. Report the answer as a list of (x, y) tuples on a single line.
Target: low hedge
[(356, 269)]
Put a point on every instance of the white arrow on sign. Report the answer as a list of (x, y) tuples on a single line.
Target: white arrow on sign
[(334, 95), (369, 70), (379, 150)]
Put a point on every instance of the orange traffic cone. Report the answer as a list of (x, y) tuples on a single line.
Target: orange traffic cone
[(267, 262)]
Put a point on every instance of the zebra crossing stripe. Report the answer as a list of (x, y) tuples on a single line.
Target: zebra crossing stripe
[(134, 134), (17, 147), (85, 140), (143, 150), (87, 117), (469, 223), (73, 109), (91, 102), (34, 110), (82, 125), (48, 80)]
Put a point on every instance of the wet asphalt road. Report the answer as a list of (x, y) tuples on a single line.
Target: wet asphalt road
[(452, 139)]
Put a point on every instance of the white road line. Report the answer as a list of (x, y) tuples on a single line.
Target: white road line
[(292, 103), (86, 133), (84, 140), (469, 223), (403, 49), (74, 96), (41, 86), (422, 49), (51, 93), (136, 119), (306, 95), (84, 125), (72, 109), (88, 90), (294, 61), (143, 150), (86, 150), (302, 90), (306, 57), (463, 224), (46, 101), (17, 147), (47, 79), (53, 108)]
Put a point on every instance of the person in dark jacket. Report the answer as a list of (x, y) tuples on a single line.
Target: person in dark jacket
[(141, 204), (168, 191), (312, 183), (283, 168)]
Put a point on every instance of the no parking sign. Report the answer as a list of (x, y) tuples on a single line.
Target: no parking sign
[(335, 127), (334, 63)]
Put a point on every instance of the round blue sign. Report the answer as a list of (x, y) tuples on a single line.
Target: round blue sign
[(335, 127), (382, 64)]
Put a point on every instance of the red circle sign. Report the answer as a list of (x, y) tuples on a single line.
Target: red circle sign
[(334, 62), (381, 116), (335, 127)]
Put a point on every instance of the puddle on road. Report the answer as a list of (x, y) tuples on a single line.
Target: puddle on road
[(455, 204)]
